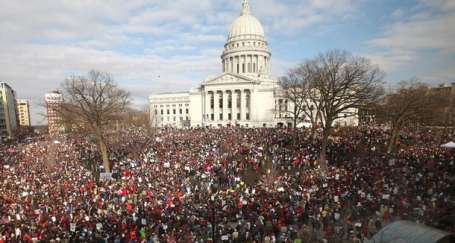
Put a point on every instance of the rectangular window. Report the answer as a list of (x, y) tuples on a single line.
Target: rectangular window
[(221, 117), (248, 116), (174, 111), (229, 116), (168, 112), (212, 117), (243, 68), (187, 111), (181, 112), (238, 116)]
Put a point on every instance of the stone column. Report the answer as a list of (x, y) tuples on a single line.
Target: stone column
[(266, 65), (236, 64), (240, 105), (243, 67), (228, 64), (260, 64), (243, 106), (207, 106), (250, 63), (234, 110), (250, 109), (204, 107), (225, 105), (216, 105), (248, 102)]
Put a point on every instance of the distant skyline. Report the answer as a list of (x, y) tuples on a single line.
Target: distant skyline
[(152, 46)]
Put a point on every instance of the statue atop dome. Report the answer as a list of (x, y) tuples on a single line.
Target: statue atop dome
[(246, 7)]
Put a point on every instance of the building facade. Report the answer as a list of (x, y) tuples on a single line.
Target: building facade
[(446, 90), (170, 109), (244, 94), (53, 102), (8, 116), (23, 109)]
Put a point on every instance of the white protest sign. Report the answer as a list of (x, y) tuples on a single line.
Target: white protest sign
[(73, 227), (106, 177)]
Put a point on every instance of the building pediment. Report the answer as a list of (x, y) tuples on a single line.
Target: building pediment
[(229, 78)]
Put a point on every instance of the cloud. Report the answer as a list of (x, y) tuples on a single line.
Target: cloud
[(290, 17), (443, 5), (434, 32), (416, 39)]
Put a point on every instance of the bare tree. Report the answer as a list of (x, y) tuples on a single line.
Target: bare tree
[(340, 84), (90, 104), (294, 92), (413, 103), (298, 88)]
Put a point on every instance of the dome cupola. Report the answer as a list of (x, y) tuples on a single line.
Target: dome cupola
[(246, 50)]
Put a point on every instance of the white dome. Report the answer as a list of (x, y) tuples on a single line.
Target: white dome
[(246, 26)]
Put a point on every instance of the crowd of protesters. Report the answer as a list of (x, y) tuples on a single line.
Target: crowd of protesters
[(224, 185)]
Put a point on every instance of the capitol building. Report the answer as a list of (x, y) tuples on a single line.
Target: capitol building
[(243, 95)]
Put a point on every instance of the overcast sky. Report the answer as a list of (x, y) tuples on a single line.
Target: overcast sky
[(153, 46)]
